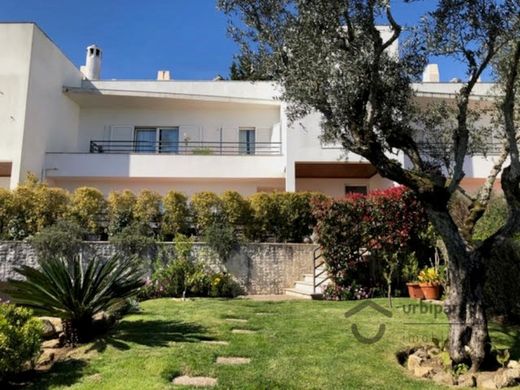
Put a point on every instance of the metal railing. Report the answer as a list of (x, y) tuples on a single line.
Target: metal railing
[(201, 148), (317, 262), (440, 148)]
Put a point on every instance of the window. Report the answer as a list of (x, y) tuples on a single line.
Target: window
[(356, 190), (157, 140), (247, 141)]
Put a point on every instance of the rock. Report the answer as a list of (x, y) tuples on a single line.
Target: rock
[(443, 377), (51, 327), (51, 344), (466, 380), (513, 364), (488, 384), (507, 377), (46, 357), (423, 372), (433, 352), (414, 361)]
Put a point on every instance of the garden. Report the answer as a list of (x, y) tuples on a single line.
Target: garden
[(103, 319)]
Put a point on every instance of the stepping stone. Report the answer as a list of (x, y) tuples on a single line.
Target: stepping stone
[(195, 381), (265, 314), (215, 342), (243, 331), (236, 320), (233, 360)]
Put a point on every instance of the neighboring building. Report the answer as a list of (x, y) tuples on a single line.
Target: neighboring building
[(73, 129)]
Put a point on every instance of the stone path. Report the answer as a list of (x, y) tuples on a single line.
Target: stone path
[(204, 381)]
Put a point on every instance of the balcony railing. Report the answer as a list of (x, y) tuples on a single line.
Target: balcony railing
[(188, 148)]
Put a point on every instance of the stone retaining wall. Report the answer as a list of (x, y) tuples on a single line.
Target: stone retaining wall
[(260, 268)]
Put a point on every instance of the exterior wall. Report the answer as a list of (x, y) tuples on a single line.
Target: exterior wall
[(51, 118), (245, 187), (336, 187), (259, 268), (200, 121), (16, 43)]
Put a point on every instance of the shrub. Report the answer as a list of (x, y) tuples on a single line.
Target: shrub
[(384, 224), (221, 238), (223, 285), (20, 339), (51, 205), (88, 209), (120, 210), (176, 218), (134, 240), (65, 239), (207, 208), (237, 210), (492, 220), (6, 203), (297, 218), (502, 290), (267, 217), (75, 292), (148, 210)]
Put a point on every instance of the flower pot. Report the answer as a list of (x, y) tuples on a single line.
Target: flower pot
[(431, 290), (415, 291)]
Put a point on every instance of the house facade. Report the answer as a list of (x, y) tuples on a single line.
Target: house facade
[(72, 128)]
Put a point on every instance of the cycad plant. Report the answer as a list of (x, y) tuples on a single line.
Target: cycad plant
[(74, 291)]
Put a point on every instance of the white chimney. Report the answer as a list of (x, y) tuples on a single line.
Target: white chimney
[(431, 74), (92, 68), (163, 75)]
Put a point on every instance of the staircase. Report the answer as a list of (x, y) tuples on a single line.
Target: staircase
[(312, 285)]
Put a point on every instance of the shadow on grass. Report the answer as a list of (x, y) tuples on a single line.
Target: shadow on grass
[(63, 373), (152, 334)]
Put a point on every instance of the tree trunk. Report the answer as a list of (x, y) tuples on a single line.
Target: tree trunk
[(469, 341), (468, 334)]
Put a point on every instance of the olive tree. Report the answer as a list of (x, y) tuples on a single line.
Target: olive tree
[(330, 57)]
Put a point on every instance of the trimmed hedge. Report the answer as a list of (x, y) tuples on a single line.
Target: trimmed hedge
[(273, 217)]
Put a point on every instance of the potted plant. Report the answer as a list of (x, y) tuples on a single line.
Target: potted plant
[(410, 272), (430, 282)]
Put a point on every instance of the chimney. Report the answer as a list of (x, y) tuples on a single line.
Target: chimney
[(431, 74), (92, 68), (163, 75)]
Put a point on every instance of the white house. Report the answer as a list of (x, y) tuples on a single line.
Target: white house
[(74, 129)]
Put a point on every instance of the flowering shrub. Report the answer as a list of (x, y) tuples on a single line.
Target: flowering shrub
[(382, 225)]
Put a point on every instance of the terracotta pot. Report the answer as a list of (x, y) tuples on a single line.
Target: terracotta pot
[(415, 291), (431, 290)]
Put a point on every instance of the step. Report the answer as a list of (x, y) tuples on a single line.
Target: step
[(295, 293), (309, 278)]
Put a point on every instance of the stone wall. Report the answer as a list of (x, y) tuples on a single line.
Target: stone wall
[(260, 268)]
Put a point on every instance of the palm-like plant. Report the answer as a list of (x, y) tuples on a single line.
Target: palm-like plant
[(75, 292)]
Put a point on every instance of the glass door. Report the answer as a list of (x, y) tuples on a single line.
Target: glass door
[(169, 140), (145, 140), (247, 140)]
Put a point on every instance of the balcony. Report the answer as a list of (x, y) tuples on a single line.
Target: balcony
[(201, 148)]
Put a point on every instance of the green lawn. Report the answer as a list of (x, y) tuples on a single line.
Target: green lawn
[(298, 345)]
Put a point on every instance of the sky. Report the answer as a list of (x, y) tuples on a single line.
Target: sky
[(140, 37)]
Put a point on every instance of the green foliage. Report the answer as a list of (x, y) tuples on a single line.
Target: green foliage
[(120, 210), (207, 208), (31, 207), (502, 290), (6, 200), (267, 216), (177, 217), (237, 210), (492, 220), (221, 238), (73, 291), (20, 339), (64, 239), (247, 67), (183, 246), (148, 210), (88, 209), (135, 239), (223, 285)]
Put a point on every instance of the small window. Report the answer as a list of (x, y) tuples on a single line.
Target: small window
[(356, 190)]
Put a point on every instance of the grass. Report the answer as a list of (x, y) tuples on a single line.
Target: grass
[(298, 345)]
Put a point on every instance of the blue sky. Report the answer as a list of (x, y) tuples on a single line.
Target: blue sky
[(139, 37)]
